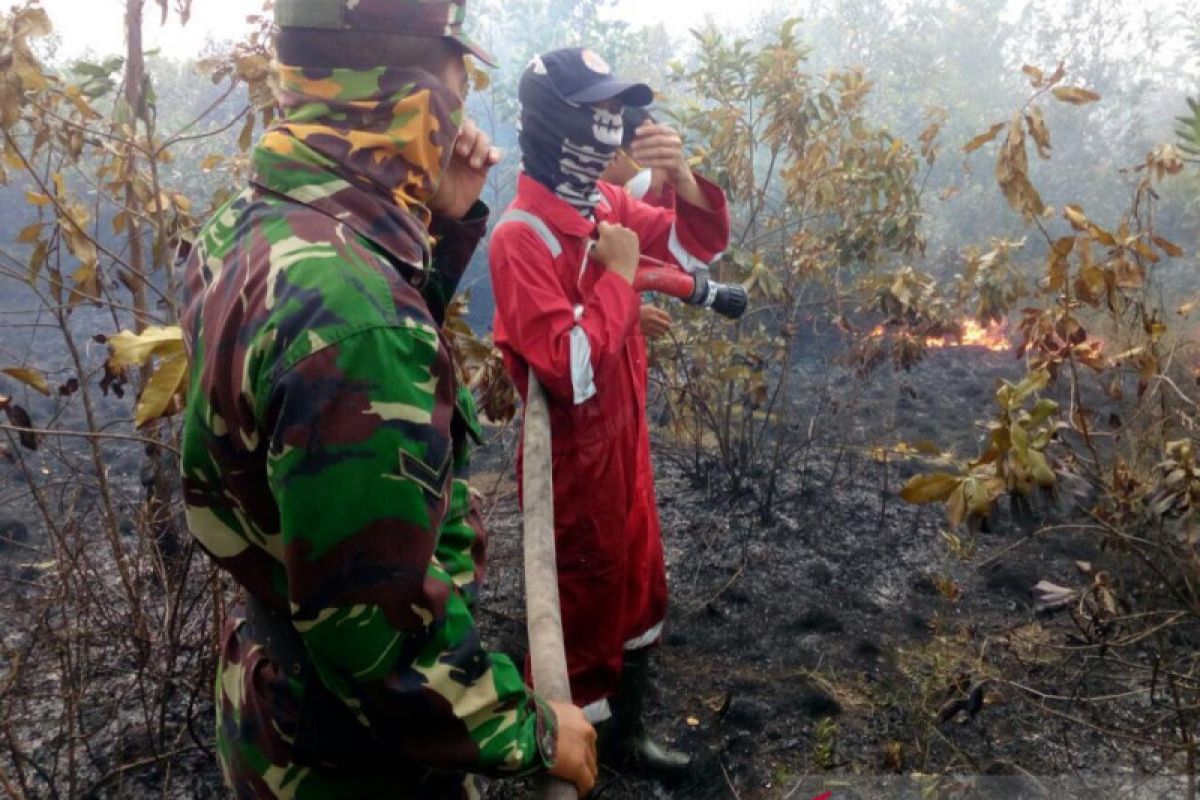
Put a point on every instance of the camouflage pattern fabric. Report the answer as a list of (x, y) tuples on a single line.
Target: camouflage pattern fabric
[(435, 18), (325, 454)]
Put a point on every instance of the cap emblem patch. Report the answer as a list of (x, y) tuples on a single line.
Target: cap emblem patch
[(595, 63)]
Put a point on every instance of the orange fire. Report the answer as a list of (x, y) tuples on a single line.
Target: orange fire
[(991, 337)]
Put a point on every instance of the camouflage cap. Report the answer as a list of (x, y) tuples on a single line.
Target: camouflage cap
[(435, 18)]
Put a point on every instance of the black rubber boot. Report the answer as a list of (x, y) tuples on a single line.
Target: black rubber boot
[(625, 738)]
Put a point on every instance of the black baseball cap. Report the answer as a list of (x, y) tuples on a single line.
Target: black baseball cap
[(581, 76)]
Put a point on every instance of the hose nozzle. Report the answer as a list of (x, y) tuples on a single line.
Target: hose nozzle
[(727, 299)]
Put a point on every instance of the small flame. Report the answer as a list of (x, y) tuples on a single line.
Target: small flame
[(992, 337)]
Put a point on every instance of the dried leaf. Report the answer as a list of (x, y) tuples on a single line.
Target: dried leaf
[(1075, 95), (934, 487), (1038, 131), (30, 377), (1076, 217), (983, 138), (1173, 250), (20, 418), (1012, 173), (1051, 595), (246, 137)]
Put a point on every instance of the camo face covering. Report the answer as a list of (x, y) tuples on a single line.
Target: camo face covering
[(388, 131), (564, 146)]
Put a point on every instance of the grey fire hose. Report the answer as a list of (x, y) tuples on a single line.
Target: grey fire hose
[(543, 613)]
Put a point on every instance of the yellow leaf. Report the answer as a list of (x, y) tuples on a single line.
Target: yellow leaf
[(1075, 95), (480, 80), (956, 506), (37, 198), (210, 162), (41, 254), (933, 487), (133, 349), (30, 377), (30, 233), (84, 283), (166, 382)]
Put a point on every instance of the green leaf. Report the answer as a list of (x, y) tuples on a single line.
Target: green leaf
[(1034, 382)]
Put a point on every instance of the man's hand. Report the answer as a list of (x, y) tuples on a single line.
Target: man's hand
[(655, 322), (618, 249), (575, 760), (466, 173), (659, 147)]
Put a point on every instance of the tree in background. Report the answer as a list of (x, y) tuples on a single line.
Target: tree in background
[(107, 632)]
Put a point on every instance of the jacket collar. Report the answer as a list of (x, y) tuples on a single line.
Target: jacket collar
[(560, 215)]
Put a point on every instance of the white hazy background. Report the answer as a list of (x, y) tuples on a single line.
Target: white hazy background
[(95, 25)]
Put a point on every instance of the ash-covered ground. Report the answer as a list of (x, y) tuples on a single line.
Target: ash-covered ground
[(814, 650), (802, 651)]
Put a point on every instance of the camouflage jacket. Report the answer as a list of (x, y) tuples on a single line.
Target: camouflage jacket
[(325, 455)]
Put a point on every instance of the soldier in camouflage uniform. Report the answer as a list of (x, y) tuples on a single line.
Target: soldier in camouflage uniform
[(326, 436)]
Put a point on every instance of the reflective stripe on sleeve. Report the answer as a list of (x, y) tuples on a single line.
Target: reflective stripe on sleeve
[(583, 381), (686, 260)]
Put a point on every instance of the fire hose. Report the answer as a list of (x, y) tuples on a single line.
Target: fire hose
[(547, 654), (727, 299)]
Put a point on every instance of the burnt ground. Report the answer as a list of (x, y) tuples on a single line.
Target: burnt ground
[(815, 647), (814, 650)]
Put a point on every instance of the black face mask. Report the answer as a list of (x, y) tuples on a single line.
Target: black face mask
[(564, 146)]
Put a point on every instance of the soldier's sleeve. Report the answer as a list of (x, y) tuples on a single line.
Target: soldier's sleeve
[(456, 241), (360, 467), (462, 544)]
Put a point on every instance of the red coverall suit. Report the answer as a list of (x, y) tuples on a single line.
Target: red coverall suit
[(576, 324)]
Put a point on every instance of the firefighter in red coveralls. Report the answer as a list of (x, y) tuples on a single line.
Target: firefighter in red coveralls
[(563, 260)]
